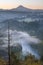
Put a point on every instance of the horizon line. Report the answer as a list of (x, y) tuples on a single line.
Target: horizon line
[(22, 6)]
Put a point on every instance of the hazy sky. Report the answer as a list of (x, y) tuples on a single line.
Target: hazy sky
[(34, 4)]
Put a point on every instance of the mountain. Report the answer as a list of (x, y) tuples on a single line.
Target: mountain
[(24, 9), (21, 8)]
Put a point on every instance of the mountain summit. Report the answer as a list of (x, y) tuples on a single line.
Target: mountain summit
[(21, 8)]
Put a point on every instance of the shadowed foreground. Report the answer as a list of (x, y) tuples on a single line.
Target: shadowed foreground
[(29, 60)]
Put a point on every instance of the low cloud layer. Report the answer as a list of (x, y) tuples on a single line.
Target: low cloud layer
[(23, 38)]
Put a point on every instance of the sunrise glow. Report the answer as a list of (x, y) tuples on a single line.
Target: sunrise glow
[(33, 4)]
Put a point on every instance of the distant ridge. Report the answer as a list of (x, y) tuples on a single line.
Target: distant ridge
[(23, 9)]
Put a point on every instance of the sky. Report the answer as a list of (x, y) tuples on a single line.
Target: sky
[(33, 4)]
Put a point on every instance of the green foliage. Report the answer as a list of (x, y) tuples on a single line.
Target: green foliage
[(41, 58), (14, 59), (2, 62), (29, 60), (38, 47)]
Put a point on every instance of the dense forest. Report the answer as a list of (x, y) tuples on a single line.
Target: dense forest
[(29, 60)]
